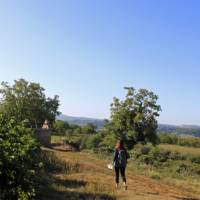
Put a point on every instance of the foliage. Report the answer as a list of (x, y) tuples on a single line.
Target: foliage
[(190, 141), (93, 141), (168, 138), (60, 127), (27, 101), (109, 141), (17, 160), (166, 162), (80, 141), (151, 155), (89, 129), (134, 119), (73, 129)]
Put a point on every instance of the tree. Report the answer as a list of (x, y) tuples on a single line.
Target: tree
[(89, 129), (60, 127), (27, 101), (18, 160), (134, 119), (74, 129)]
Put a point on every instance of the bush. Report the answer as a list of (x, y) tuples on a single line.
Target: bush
[(140, 150), (168, 138), (17, 160), (93, 141), (195, 159), (156, 156), (177, 156), (179, 140), (160, 155), (146, 159), (109, 141)]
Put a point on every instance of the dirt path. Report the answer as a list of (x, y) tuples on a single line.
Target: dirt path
[(96, 182)]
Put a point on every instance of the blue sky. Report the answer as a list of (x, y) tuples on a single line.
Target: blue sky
[(86, 51)]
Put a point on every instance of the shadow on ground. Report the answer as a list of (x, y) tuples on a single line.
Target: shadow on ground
[(184, 198), (51, 187), (63, 190), (69, 183)]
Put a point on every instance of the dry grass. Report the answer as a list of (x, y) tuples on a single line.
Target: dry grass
[(181, 149), (92, 180)]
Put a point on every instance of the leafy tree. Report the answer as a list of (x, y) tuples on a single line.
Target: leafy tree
[(17, 160), (134, 119), (89, 129), (24, 100), (93, 141), (168, 138), (74, 129), (60, 127)]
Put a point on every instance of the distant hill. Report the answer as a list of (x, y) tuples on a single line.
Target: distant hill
[(193, 130), (81, 120)]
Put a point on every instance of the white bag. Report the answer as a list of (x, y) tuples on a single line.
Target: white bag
[(110, 166)]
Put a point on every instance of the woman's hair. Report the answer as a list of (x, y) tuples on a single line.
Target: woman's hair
[(119, 145)]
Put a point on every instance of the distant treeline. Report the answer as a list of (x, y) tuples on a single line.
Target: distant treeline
[(179, 130), (162, 128), (81, 121), (179, 140)]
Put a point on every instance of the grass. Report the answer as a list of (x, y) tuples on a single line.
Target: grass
[(57, 138), (181, 149), (84, 175), (65, 177)]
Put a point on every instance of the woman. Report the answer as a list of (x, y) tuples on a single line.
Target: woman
[(120, 161)]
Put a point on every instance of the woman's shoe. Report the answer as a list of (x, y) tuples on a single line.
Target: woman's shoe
[(125, 186)]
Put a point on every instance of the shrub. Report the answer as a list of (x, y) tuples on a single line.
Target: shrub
[(156, 156), (168, 138), (17, 160), (177, 156), (109, 141), (159, 154), (146, 159), (93, 141), (179, 140), (195, 159), (140, 150)]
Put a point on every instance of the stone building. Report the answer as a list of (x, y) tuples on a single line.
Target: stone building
[(43, 134)]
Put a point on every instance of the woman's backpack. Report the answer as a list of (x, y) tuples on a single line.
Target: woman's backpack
[(122, 157)]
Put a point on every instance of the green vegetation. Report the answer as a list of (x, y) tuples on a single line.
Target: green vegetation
[(60, 127), (179, 140), (180, 130), (134, 119), (63, 128), (26, 171), (27, 101), (22, 107), (166, 162), (17, 160), (89, 178)]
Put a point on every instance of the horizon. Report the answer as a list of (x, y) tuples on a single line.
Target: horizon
[(87, 52), (88, 117)]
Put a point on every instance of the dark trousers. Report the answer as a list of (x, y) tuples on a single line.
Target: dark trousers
[(122, 172)]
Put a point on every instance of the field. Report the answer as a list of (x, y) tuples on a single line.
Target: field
[(181, 149), (87, 177)]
